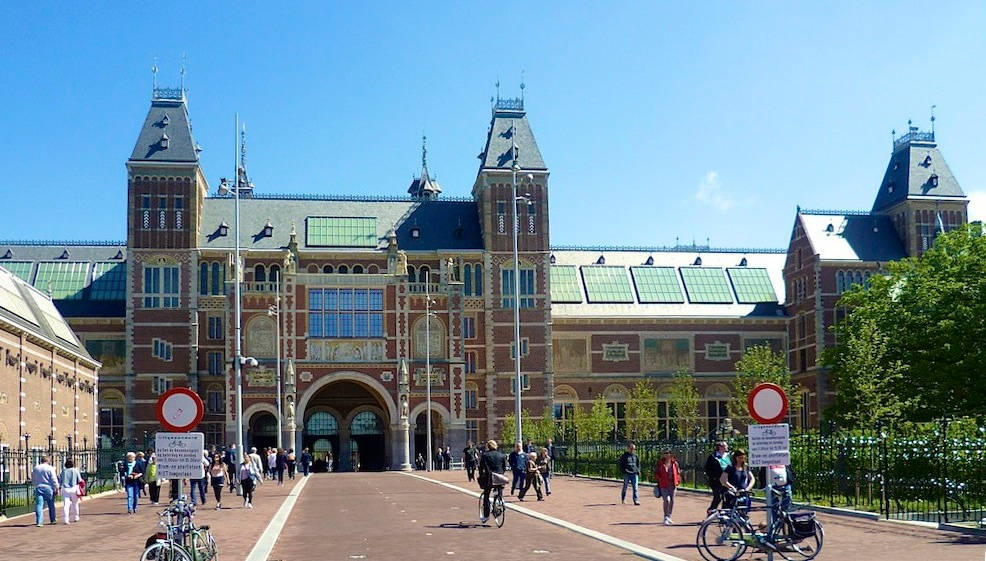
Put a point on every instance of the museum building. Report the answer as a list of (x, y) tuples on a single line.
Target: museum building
[(352, 294)]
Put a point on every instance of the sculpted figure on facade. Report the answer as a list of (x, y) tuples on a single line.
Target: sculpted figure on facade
[(404, 408), (289, 410), (401, 263)]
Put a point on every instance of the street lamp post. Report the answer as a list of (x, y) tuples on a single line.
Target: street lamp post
[(274, 310), (428, 314), (518, 431)]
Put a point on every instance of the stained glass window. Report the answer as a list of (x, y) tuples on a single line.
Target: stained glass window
[(341, 232), (657, 285), (109, 281), (607, 284), (565, 285), (751, 285), (65, 279), (706, 285)]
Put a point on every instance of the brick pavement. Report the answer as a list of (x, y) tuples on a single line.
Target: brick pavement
[(106, 533), (596, 505), (390, 516)]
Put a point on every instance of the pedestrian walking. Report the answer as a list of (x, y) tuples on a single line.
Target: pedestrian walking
[(491, 462), (419, 462), (200, 484), (329, 466), (153, 484), (291, 463), (518, 467), (529, 447), (142, 460), (271, 463), (439, 462), (232, 459), (69, 481), (45, 482), (248, 476), (544, 468), (630, 468), (217, 476), (258, 466), (130, 475), (737, 478), (715, 464), (281, 463), (668, 477), (469, 460), (305, 461), (447, 458), (551, 457), (532, 477)]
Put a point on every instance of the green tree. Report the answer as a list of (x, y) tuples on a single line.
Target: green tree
[(539, 429), (684, 406), (930, 314), (597, 423), (760, 364), (866, 377), (642, 411)]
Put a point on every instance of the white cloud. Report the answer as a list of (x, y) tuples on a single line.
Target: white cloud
[(710, 192), (977, 206)]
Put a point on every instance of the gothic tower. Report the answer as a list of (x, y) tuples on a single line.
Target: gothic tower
[(510, 147), (166, 189)]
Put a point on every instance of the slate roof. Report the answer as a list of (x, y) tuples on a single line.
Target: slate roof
[(509, 126), (772, 261), (166, 117), (448, 224), (915, 159), (29, 308), (852, 237)]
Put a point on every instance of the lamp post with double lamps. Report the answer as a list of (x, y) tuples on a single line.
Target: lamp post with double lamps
[(428, 315), (274, 310), (518, 386)]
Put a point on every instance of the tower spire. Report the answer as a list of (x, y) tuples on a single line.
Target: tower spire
[(933, 119), (181, 71), (154, 73), (424, 152)]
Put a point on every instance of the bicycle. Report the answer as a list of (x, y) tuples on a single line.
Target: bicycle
[(497, 509), (179, 539), (727, 533)]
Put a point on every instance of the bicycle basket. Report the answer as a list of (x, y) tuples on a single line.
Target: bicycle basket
[(803, 524)]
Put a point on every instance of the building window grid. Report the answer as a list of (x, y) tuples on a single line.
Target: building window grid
[(214, 400), (526, 288), (109, 281), (524, 348), (752, 285), (706, 285), (215, 364), (471, 401), (162, 349), (341, 232), (657, 285), (472, 430), (160, 385), (564, 284), (20, 269), (157, 293), (469, 327), (66, 281), (607, 284), (470, 362), (345, 313)]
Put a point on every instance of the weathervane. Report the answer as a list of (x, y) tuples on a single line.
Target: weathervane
[(424, 150), (522, 85), (154, 72), (933, 119), (182, 72)]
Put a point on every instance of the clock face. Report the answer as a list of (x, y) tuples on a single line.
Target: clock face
[(179, 410)]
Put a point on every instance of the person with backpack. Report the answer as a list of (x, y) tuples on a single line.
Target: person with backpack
[(668, 477), (153, 484), (630, 468), (306, 462), (291, 463), (715, 464), (469, 460)]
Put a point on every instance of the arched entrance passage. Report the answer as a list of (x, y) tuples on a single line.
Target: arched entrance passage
[(262, 431), (321, 437), (346, 395)]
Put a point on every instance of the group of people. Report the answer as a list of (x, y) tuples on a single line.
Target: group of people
[(48, 483), (276, 461), (441, 461), (530, 467)]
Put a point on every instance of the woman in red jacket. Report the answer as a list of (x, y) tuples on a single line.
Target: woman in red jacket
[(668, 477)]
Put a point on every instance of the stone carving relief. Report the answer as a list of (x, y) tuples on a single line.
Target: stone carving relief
[(346, 351), (437, 333), (260, 377), (261, 335), (570, 355), (437, 377), (305, 376)]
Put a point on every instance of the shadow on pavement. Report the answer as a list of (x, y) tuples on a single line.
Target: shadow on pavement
[(460, 525)]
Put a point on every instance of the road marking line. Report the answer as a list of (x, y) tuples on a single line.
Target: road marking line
[(637, 549), (261, 550)]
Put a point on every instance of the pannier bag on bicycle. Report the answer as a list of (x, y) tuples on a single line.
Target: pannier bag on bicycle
[(803, 524)]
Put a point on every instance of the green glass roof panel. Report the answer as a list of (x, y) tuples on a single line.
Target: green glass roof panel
[(657, 285), (565, 285), (109, 281), (752, 285), (341, 232), (66, 279), (706, 285), (607, 284), (20, 268)]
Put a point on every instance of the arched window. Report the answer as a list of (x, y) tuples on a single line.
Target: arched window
[(840, 282), (467, 279), (366, 422), (859, 277), (342, 270), (478, 274), (322, 423), (313, 268), (423, 274), (327, 269), (373, 269), (203, 278), (260, 273), (410, 273), (217, 278), (357, 269), (616, 399), (866, 279), (275, 274)]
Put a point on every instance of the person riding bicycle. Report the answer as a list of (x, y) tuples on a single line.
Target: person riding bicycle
[(491, 462), (737, 479)]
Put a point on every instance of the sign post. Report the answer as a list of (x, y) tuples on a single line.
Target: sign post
[(770, 442), (179, 452)]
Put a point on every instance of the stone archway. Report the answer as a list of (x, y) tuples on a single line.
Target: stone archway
[(346, 394)]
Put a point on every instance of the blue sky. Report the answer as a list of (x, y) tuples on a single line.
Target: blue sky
[(657, 120)]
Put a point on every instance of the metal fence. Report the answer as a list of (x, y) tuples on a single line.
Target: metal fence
[(98, 467), (931, 479)]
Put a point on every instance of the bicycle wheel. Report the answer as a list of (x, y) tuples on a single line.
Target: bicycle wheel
[(808, 548), (720, 539), (204, 545), (499, 511), (480, 506), (165, 551)]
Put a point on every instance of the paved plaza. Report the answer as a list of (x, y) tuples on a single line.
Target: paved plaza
[(407, 516)]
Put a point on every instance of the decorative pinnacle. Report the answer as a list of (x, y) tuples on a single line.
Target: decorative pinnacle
[(424, 151)]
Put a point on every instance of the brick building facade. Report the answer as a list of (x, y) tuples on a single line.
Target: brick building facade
[(356, 277)]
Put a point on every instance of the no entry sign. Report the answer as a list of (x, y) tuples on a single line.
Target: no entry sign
[(179, 410), (767, 403)]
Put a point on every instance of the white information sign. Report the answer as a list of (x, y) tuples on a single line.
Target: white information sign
[(179, 455), (769, 444)]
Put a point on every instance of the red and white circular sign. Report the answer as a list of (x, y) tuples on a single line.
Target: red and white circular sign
[(179, 410), (767, 403)]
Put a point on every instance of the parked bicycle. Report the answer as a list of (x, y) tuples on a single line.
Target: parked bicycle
[(178, 538), (727, 533)]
